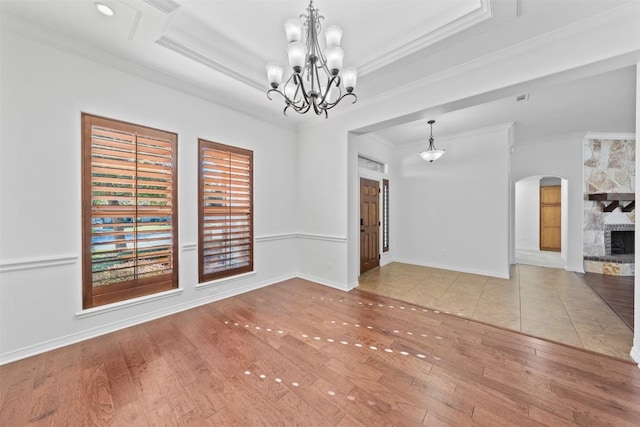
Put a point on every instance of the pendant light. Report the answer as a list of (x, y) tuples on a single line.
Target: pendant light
[(431, 153)]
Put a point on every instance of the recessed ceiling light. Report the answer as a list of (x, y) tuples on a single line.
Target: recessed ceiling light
[(104, 9)]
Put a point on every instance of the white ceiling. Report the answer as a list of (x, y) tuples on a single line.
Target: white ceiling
[(603, 103), (217, 50)]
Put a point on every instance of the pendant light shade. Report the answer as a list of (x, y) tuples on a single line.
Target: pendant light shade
[(431, 153)]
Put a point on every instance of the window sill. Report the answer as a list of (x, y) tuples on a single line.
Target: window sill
[(128, 303), (225, 280)]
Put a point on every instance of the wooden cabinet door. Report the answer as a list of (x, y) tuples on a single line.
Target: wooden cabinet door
[(369, 225), (550, 218)]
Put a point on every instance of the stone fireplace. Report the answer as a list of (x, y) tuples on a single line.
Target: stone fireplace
[(609, 206)]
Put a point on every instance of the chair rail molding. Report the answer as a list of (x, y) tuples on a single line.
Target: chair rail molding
[(38, 262)]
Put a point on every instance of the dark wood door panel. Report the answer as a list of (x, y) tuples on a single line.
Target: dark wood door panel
[(369, 224)]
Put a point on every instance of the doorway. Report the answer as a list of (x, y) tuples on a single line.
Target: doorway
[(550, 218), (369, 224), (541, 221)]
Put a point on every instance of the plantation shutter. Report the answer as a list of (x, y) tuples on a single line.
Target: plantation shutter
[(130, 233), (226, 211)]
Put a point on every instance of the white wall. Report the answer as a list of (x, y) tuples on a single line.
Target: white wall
[(527, 220), (44, 90), (454, 213), (559, 156), (322, 200), (635, 350), (564, 220)]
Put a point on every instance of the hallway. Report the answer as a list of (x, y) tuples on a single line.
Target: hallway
[(544, 302)]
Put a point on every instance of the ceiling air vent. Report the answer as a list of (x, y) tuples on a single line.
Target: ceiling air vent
[(523, 97)]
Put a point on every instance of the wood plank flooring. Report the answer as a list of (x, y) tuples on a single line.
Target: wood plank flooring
[(616, 291), (298, 353)]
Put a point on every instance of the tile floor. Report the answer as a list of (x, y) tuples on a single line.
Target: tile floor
[(544, 302)]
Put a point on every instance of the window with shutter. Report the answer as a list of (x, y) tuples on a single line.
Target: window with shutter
[(225, 241), (130, 222)]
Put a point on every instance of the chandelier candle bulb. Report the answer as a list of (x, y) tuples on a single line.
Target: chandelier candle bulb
[(335, 56), (316, 83), (333, 35), (274, 74), (293, 29), (349, 78), (296, 53)]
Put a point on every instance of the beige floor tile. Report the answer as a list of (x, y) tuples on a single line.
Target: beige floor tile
[(564, 333), (548, 303), (504, 318)]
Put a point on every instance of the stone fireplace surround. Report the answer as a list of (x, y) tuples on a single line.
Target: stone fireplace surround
[(609, 167), (617, 264)]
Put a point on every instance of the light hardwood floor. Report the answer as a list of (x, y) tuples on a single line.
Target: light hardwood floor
[(298, 353), (545, 302)]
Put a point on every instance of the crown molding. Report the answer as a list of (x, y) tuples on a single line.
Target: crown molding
[(552, 139), (75, 47), (613, 18), (181, 48), (481, 14), (610, 135), (165, 6)]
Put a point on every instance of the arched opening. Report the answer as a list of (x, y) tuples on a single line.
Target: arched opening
[(541, 221)]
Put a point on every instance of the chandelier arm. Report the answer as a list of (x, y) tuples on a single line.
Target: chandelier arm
[(297, 79), (306, 109), (328, 89), (333, 104), (305, 95), (277, 91)]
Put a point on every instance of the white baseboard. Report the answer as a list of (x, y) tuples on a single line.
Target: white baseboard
[(328, 283), (635, 355), (66, 340)]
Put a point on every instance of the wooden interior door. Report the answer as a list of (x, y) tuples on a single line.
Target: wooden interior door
[(550, 217), (369, 224)]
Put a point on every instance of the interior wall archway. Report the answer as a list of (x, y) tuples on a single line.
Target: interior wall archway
[(527, 222)]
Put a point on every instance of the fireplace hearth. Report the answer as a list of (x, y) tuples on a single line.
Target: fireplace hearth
[(622, 242), (619, 239)]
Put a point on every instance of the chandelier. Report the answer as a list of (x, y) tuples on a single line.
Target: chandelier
[(317, 81), (432, 153)]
